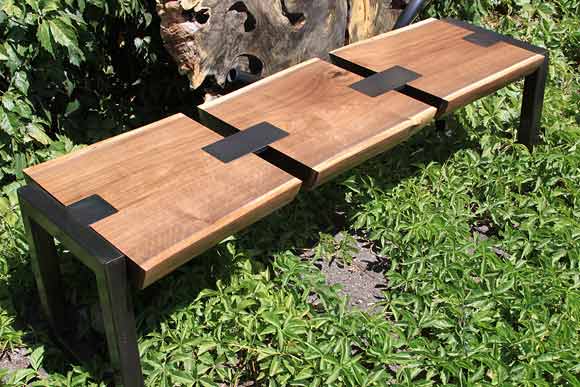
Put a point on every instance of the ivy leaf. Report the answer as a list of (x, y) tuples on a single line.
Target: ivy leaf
[(21, 82), (36, 132), (4, 205), (36, 358), (23, 109), (72, 107), (5, 123), (34, 5), (75, 56), (148, 18), (8, 101), (11, 9), (334, 376), (48, 6), (18, 164), (14, 61), (81, 5), (44, 36), (63, 33), (3, 54), (182, 377), (22, 375), (203, 348), (274, 367)]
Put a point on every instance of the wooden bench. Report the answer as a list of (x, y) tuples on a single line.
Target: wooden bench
[(137, 206)]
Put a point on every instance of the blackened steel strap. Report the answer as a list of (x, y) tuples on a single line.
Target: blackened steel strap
[(394, 78), (247, 141), (90, 210)]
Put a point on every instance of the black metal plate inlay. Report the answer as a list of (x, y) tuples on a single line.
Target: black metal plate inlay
[(483, 39), (246, 141), (90, 210), (487, 38), (394, 78)]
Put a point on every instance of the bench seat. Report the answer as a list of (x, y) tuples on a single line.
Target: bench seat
[(331, 126), (456, 62), (172, 199)]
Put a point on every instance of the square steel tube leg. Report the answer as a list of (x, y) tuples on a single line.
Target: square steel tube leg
[(46, 268), (532, 105), (441, 124), (119, 321), (44, 219)]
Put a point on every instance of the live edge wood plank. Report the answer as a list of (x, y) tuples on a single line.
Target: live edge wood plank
[(174, 200), (453, 69), (331, 126)]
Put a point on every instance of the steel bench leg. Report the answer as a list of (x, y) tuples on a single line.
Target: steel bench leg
[(441, 124), (46, 267), (44, 218), (119, 321), (532, 106)]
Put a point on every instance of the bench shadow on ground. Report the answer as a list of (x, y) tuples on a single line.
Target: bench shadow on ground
[(294, 228)]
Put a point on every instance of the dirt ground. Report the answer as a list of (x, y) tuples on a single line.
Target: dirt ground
[(363, 281), (16, 359)]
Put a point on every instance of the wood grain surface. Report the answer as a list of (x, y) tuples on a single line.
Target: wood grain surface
[(332, 127), (174, 200), (453, 69)]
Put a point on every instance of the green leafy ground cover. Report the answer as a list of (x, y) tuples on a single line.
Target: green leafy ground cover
[(460, 309)]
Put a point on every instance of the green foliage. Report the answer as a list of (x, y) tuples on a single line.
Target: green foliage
[(482, 235), (47, 48), (343, 248)]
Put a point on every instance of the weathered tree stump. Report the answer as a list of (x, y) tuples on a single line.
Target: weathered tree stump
[(208, 38), (369, 18)]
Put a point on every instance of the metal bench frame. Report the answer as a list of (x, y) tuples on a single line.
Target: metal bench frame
[(45, 219)]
